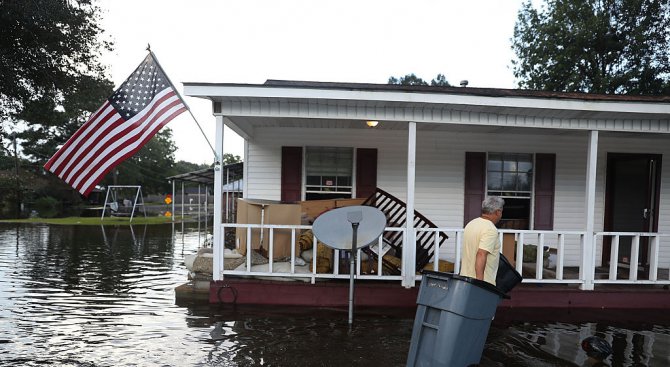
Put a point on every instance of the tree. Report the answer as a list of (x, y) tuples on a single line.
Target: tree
[(440, 81), (49, 126), (229, 158), (184, 167), (49, 68), (594, 46), (411, 79)]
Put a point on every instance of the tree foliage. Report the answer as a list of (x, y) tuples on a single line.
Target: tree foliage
[(595, 46), (229, 158), (51, 78), (185, 167), (49, 125), (411, 79), (46, 46)]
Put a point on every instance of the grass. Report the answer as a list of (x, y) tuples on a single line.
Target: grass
[(90, 221)]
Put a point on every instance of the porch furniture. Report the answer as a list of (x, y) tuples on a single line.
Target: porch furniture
[(396, 216)]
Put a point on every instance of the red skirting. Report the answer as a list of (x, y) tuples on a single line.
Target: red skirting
[(381, 294), (321, 294)]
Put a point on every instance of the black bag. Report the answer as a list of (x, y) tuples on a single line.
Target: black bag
[(507, 277)]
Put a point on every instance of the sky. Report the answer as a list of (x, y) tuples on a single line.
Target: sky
[(358, 41)]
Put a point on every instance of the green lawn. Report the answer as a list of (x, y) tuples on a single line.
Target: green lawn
[(96, 220)]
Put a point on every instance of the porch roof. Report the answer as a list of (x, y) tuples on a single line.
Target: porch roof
[(322, 104)]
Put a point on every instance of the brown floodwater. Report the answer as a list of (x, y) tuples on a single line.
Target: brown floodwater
[(94, 296)]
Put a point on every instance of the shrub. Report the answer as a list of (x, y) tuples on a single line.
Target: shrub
[(47, 206)]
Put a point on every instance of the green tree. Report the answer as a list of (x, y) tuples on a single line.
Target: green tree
[(49, 62), (411, 79), (50, 126), (229, 158), (440, 81), (184, 167), (595, 46)]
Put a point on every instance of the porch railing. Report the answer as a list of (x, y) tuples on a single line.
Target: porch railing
[(652, 269), (549, 257)]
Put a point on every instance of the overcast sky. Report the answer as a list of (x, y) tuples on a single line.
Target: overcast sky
[(362, 41)]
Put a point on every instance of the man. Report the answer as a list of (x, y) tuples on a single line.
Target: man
[(481, 248)]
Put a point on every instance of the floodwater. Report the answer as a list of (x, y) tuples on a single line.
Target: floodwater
[(94, 296)]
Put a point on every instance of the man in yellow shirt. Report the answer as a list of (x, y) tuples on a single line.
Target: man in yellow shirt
[(481, 248)]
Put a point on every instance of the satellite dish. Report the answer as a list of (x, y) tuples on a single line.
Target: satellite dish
[(349, 228), (334, 228)]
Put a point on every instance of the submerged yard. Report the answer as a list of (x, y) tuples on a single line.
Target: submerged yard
[(104, 296)]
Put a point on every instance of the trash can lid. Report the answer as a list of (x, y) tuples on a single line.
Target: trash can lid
[(479, 283)]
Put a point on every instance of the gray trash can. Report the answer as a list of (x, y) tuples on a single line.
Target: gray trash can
[(452, 320)]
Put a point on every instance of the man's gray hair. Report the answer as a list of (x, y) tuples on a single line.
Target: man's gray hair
[(491, 204)]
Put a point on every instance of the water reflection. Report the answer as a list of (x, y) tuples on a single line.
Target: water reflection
[(81, 293), (92, 296)]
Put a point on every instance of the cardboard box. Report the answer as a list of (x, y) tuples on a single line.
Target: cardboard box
[(255, 211), (348, 202), (509, 247), (311, 209)]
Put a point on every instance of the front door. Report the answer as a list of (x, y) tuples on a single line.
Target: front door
[(631, 197)]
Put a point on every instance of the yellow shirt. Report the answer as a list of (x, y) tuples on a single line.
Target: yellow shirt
[(480, 233)]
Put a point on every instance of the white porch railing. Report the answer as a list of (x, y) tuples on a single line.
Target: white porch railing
[(550, 257), (296, 271), (650, 271)]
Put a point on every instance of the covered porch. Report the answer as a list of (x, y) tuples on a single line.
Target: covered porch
[(588, 210)]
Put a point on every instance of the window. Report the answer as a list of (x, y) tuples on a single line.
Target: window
[(510, 176), (328, 172)]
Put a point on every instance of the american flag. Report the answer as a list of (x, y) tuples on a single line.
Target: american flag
[(143, 104)]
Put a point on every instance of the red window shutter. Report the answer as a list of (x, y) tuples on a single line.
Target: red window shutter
[(291, 174), (545, 174), (475, 179), (366, 172)]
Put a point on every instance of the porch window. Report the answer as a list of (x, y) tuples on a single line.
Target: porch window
[(328, 172), (510, 176)]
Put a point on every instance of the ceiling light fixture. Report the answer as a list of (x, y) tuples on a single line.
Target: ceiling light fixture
[(372, 123)]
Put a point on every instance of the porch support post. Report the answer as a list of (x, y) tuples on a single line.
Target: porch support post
[(173, 199), (588, 254), (409, 247), (217, 271)]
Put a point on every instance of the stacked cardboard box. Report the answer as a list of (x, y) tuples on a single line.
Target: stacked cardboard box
[(313, 208), (265, 212)]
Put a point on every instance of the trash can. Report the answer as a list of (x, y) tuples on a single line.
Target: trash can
[(507, 277), (452, 320)]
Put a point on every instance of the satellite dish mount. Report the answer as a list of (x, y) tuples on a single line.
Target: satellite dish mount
[(332, 228)]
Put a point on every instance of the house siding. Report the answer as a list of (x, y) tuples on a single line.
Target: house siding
[(440, 161)]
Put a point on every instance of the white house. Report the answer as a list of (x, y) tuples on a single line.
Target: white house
[(581, 174)]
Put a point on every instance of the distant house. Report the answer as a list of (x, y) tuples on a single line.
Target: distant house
[(582, 174)]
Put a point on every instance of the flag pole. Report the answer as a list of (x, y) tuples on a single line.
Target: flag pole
[(188, 108)]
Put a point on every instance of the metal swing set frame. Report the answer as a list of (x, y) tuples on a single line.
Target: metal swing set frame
[(113, 189)]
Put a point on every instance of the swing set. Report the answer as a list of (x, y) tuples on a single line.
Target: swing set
[(115, 209)]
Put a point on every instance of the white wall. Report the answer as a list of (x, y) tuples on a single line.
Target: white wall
[(264, 158), (440, 168)]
